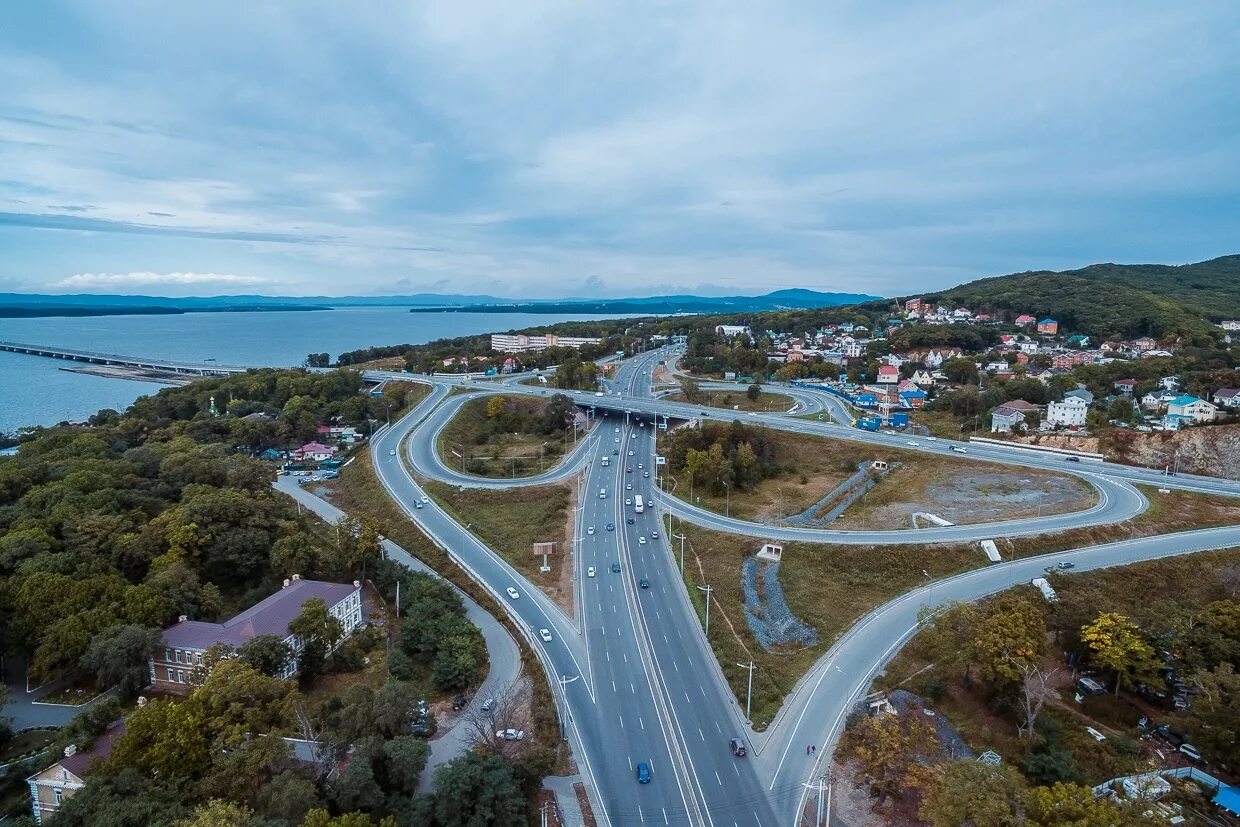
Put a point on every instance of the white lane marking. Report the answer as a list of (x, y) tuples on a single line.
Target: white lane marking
[(687, 698), (674, 666), (625, 656), (717, 778), (679, 635), (700, 735), (665, 640), (621, 717), (640, 815), (613, 687), (640, 721), (737, 770), (630, 758), (718, 727), (632, 689), (665, 821), (703, 691), (608, 654)]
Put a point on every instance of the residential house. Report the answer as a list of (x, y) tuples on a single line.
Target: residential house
[(1048, 326), (1190, 407), (915, 398), (796, 356), (888, 375), (313, 452), (1156, 401), (1024, 320), (1227, 397), (1070, 413), (259, 416), (1022, 358), (1009, 415), (1027, 346), (186, 642), (1230, 324), (912, 307), (1145, 343), (922, 377), (50, 787), (1077, 340), (1082, 393), (271, 454), (1125, 387), (729, 331), (1171, 383)]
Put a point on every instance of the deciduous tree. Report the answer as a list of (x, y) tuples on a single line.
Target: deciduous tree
[(968, 793), (1116, 643)]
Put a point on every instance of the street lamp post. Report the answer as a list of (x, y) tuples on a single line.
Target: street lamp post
[(930, 580), (749, 690), (727, 507), (681, 538), (564, 681), (708, 590)]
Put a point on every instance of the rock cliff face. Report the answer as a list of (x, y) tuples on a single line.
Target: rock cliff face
[(1213, 451)]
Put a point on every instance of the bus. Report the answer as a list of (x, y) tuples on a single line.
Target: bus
[(638, 505)]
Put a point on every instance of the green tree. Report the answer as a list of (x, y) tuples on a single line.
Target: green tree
[(1115, 642), (968, 793), (1071, 805), (217, 813), (1213, 721), (356, 787), (1008, 638), (319, 631), (892, 753), (960, 371), (267, 654), (404, 758), (120, 656), (395, 708), (477, 791), (164, 739), (691, 390), (122, 799), (286, 798), (322, 818), (753, 392), (237, 699)]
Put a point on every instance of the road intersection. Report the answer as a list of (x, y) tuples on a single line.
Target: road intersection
[(632, 672)]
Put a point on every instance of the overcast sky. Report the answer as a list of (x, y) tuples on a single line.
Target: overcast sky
[(540, 149)]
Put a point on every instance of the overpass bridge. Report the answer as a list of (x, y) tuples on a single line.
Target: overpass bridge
[(138, 362)]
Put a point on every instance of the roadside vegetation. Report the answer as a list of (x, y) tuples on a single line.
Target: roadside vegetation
[(508, 436), (768, 475), (1002, 672), (511, 521), (754, 398)]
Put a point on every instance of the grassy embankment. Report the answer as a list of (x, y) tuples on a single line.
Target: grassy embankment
[(766, 401), (511, 521), (359, 493), (1151, 593), (830, 587), (811, 466), (468, 442)]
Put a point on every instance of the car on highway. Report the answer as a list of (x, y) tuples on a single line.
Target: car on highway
[(643, 772), (1075, 459), (628, 500), (417, 503), (738, 747), (914, 443), (510, 734), (643, 583), (654, 535), (889, 432), (513, 593), (641, 541), (617, 439), (545, 634), (617, 430), (425, 499), (932, 439), (628, 470), (590, 530), (628, 486), (590, 571), (960, 449), (630, 520), (1065, 565), (615, 453), (630, 453), (611, 526), (640, 466), (615, 567), (392, 452), (646, 474)]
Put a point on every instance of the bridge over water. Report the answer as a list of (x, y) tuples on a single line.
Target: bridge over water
[(91, 357)]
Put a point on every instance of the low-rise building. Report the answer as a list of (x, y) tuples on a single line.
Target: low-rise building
[(50, 787), (177, 668), (1070, 413), (888, 375), (532, 343), (732, 330), (1125, 387), (1010, 414), (1227, 397), (1024, 320), (1190, 407), (1048, 326)]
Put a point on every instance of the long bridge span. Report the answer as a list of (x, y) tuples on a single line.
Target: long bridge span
[(164, 365)]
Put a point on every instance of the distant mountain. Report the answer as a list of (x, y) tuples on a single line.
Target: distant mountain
[(1117, 300), (82, 304), (670, 305)]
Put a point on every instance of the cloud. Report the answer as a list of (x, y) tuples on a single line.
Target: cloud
[(130, 281)]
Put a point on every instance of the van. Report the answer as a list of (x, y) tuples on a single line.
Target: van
[(738, 747), (602, 494), (1190, 752)]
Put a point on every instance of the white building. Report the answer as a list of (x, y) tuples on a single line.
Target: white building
[(524, 343), (1069, 413), (1190, 407), (731, 330)]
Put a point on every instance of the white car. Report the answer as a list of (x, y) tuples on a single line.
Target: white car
[(510, 734), (590, 530), (914, 443), (932, 439), (513, 593), (654, 535), (630, 453), (617, 439), (889, 432), (628, 501), (641, 541), (392, 452), (425, 500), (960, 449), (590, 571), (545, 634), (617, 430), (628, 486)]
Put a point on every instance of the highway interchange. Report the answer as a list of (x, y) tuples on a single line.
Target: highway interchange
[(632, 672)]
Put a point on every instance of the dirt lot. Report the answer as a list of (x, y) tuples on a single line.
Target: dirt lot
[(971, 491), (728, 399), (976, 494), (510, 455)]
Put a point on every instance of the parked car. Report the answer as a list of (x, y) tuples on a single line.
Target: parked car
[(488, 704), (510, 734)]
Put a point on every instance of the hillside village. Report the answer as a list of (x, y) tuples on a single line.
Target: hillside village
[(876, 370)]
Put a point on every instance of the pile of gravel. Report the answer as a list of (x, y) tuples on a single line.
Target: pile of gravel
[(770, 619)]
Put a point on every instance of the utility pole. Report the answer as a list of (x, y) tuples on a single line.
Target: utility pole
[(749, 690), (822, 786), (681, 538), (708, 590)]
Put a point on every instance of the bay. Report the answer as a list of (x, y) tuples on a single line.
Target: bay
[(35, 391)]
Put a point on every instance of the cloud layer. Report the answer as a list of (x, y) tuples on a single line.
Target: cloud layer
[(553, 147)]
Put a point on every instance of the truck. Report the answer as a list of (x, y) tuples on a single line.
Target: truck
[(899, 420), (869, 423), (638, 505)]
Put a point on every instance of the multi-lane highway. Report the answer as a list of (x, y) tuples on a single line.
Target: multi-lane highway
[(632, 671)]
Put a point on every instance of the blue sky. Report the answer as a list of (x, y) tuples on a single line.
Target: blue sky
[(539, 149)]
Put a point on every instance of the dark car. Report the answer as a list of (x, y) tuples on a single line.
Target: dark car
[(1065, 565), (630, 521), (1172, 736), (738, 747), (460, 701), (643, 772), (1072, 459), (611, 526), (615, 567), (644, 583)]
